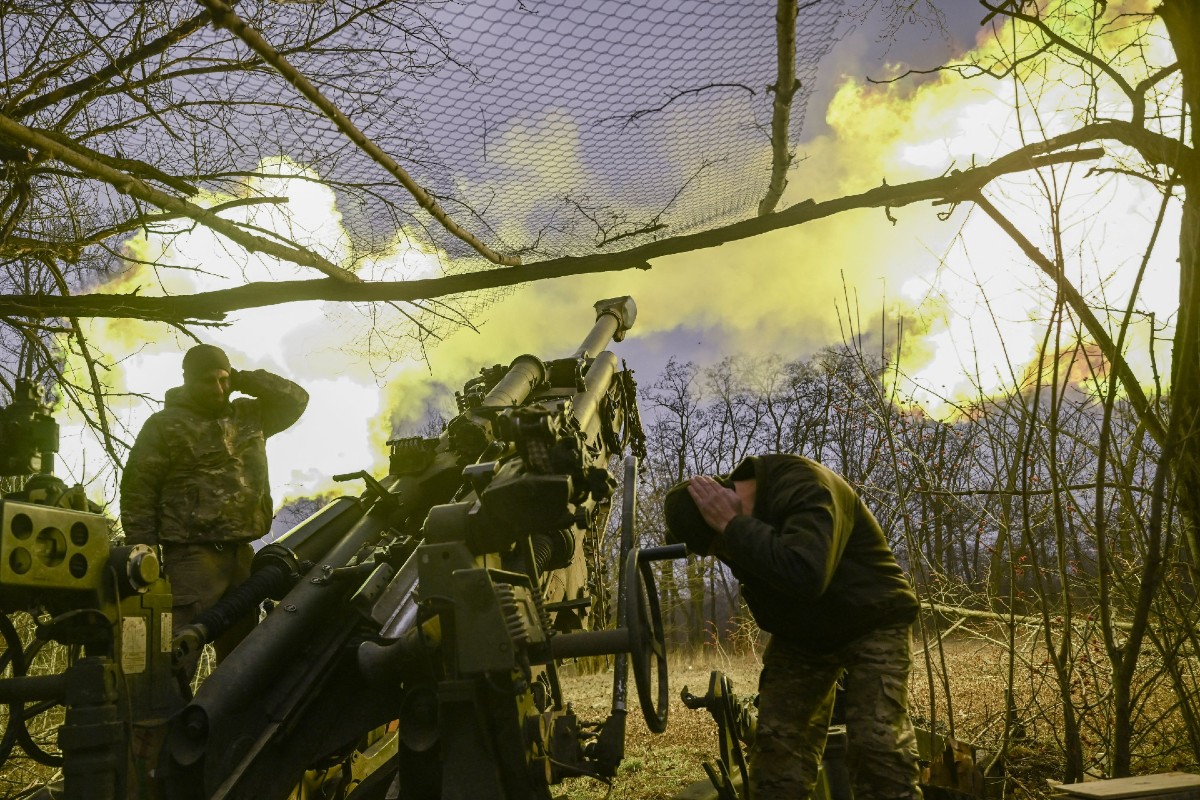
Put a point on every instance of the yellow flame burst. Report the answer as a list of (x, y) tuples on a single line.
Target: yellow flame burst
[(975, 309)]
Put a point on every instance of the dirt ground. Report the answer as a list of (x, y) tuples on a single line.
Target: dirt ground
[(975, 669), (973, 666), (657, 766)]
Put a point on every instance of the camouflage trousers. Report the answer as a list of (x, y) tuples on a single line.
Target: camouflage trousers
[(796, 694), (200, 575)]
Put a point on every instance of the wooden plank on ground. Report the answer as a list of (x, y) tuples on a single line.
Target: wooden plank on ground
[(1173, 785)]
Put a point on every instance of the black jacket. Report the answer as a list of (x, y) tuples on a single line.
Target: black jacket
[(814, 564)]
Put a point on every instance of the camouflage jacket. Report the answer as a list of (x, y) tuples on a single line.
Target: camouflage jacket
[(200, 476)]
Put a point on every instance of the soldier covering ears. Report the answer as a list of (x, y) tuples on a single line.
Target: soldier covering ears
[(819, 576)]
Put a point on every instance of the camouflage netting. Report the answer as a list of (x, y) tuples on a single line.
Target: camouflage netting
[(545, 128), (579, 125)]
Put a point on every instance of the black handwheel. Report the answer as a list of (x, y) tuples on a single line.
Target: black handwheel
[(13, 657), (647, 642), (21, 715)]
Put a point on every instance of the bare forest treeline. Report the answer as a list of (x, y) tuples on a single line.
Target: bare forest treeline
[(1038, 528)]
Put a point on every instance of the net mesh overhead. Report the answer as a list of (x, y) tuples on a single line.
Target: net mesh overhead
[(586, 122), (546, 129)]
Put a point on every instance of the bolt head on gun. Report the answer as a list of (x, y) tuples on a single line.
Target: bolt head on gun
[(138, 568)]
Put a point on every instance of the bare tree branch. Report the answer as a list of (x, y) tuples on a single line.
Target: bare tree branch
[(117, 67), (224, 16), (128, 184), (642, 112), (1006, 619), (216, 304), (1012, 10), (1091, 322), (97, 389), (784, 90), (133, 166)]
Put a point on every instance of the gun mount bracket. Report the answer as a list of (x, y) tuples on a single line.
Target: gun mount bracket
[(375, 489)]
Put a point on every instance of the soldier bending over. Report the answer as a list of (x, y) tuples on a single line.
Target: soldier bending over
[(819, 576), (196, 480)]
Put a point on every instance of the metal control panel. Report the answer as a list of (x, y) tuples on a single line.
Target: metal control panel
[(43, 547)]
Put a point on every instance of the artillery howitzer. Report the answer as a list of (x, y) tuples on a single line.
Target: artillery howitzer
[(413, 646)]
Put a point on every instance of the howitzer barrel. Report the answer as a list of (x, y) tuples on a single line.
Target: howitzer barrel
[(275, 568), (443, 636), (313, 536), (597, 381), (523, 375), (614, 317), (255, 662)]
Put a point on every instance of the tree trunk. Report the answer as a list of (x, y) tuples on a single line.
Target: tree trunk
[(1182, 18), (696, 589)]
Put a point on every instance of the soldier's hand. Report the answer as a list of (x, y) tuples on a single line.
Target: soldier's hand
[(717, 504)]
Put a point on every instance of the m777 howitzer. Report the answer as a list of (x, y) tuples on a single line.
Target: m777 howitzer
[(413, 647)]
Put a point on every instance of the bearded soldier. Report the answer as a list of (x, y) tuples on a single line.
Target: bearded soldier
[(196, 480), (818, 575)]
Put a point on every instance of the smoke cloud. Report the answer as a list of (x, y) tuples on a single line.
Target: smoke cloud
[(971, 308)]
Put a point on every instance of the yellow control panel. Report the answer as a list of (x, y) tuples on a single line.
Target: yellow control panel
[(47, 547)]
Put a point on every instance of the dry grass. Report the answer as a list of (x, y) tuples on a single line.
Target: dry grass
[(975, 713), (657, 766), (976, 663), (21, 772)]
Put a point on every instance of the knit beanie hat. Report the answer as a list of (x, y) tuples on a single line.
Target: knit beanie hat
[(684, 521), (203, 358)]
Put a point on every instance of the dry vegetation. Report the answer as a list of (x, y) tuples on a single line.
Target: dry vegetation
[(21, 772), (976, 664), (1073, 498), (973, 662), (658, 766)]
